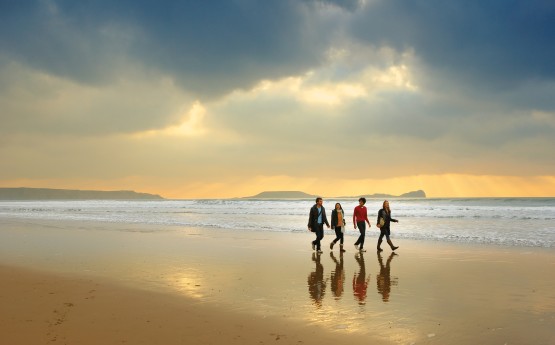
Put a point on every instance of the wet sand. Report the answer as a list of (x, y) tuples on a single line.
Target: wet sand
[(91, 283), (50, 309)]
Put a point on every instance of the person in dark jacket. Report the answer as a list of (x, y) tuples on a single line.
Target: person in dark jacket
[(316, 220), (338, 224), (383, 222)]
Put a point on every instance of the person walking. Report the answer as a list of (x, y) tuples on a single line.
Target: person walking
[(360, 216), (338, 224), (383, 222), (316, 220)]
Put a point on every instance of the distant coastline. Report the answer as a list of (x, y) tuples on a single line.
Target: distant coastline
[(24, 193), (303, 195)]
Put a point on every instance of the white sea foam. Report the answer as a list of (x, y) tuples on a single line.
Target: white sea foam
[(498, 221)]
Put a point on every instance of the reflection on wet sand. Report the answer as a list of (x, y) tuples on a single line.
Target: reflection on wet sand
[(360, 280), (383, 279), (316, 282), (337, 276)]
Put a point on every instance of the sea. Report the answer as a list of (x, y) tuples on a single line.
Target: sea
[(521, 222)]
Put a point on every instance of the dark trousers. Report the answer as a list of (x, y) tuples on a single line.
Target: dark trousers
[(338, 235), (383, 232), (362, 228), (319, 235)]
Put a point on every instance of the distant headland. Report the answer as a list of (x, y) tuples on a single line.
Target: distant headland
[(281, 195), (303, 195), (71, 194)]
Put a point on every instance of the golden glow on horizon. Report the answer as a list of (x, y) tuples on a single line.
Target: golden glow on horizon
[(435, 186)]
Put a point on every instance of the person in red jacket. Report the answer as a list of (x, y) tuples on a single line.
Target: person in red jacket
[(360, 216)]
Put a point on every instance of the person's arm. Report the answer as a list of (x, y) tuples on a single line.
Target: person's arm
[(354, 217), (324, 217), (367, 221), (343, 216), (333, 218), (310, 219)]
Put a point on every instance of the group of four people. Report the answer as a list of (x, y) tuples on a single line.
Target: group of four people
[(317, 218)]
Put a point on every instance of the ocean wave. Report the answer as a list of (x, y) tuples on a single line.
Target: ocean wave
[(467, 220)]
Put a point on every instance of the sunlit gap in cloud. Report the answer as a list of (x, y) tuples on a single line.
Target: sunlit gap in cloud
[(191, 126), (396, 76), (332, 94), (330, 86)]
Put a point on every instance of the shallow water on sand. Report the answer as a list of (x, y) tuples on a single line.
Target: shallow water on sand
[(427, 293)]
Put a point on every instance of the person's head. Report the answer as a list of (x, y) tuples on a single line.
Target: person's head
[(386, 205), (338, 206), (362, 201), (319, 201)]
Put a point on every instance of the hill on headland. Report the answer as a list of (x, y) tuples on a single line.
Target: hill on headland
[(303, 195), (71, 194), (413, 194), (281, 195)]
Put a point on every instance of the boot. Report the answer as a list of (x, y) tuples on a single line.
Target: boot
[(341, 248), (331, 244), (391, 244), (379, 246)]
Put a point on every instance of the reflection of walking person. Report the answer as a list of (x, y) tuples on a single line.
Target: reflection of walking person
[(360, 281), (316, 283), (360, 215), (384, 219), (383, 279), (338, 224), (337, 276), (316, 220)]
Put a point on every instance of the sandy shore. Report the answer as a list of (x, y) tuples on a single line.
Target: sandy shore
[(50, 309), (102, 283)]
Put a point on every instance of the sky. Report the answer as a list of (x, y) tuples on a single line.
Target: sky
[(229, 98)]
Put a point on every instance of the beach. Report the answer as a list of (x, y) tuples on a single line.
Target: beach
[(88, 282)]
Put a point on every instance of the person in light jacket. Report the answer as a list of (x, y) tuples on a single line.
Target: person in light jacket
[(338, 224)]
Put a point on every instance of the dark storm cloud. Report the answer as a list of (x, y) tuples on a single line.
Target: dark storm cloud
[(212, 47), (209, 47), (350, 5), (494, 44)]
